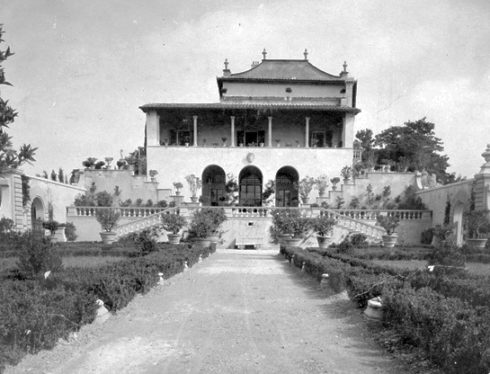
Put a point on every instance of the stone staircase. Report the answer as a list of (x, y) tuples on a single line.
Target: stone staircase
[(251, 230)]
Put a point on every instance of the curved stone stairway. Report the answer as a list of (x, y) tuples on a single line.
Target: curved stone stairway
[(251, 230)]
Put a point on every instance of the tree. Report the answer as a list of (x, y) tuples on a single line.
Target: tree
[(366, 141), (10, 158), (415, 146)]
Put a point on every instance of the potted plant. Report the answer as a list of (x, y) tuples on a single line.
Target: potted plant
[(153, 174), (108, 161), (223, 140), (334, 182), (321, 184), (194, 184), (280, 224), (323, 226), (89, 163), (205, 224), (56, 230), (178, 187), (298, 228), (305, 186), (278, 142), (346, 173), (173, 223), (475, 222), (389, 223), (108, 217)]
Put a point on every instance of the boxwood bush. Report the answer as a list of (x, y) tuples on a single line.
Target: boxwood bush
[(35, 313), (447, 315)]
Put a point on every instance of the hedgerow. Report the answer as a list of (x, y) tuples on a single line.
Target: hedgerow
[(447, 315), (36, 313)]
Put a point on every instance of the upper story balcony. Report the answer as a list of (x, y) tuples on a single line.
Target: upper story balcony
[(222, 125)]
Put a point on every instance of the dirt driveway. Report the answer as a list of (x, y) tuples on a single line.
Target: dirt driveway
[(237, 312)]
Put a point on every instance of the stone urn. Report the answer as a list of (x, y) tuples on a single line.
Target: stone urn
[(323, 241), (202, 243), (108, 237), (478, 244), (292, 241), (389, 241), (173, 238)]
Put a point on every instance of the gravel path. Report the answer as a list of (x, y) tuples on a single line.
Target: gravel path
[(237, 312)]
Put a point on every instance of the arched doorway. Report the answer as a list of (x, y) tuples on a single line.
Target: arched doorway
[(250, 182), (37, 214), (287, 187), (213, 186)]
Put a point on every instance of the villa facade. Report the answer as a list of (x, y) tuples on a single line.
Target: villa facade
[(281, 120)]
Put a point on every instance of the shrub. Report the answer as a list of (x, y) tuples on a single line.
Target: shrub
[(6, 226), (426, 236), (455, 336), (70, 231), (147, 240), (447, 254), (104, 198), (37, 256)]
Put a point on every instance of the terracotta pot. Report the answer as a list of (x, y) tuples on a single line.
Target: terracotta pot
[(282, 237), (477, 243), (173, 238), (108, 237), (389, 241), (194, 199), (202, 243), (323, 241), (292, 242), (213, 238)]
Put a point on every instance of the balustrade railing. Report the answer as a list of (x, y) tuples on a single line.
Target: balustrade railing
[(89, 211), (360, 220)]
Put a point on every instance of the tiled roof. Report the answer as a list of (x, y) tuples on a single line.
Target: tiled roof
[(258, 105), (284, 70)]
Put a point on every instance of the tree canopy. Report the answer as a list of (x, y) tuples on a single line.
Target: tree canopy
[(9, 157), (412, 146)]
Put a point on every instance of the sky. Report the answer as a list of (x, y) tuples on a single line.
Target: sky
[(82, 68)]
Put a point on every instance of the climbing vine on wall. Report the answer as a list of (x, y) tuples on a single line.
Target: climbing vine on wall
[(26, 190)]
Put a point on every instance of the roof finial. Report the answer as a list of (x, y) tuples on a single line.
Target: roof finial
[(345, 66), (264, 53), (226, 64), (306, 54)]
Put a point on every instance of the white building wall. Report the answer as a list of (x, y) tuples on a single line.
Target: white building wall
[(279, 90), (175, 163)]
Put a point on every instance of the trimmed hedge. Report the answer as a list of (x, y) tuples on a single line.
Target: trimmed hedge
[(453, 331), (35, 314)]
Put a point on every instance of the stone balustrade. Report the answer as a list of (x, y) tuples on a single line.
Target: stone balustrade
[(129, 212)]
